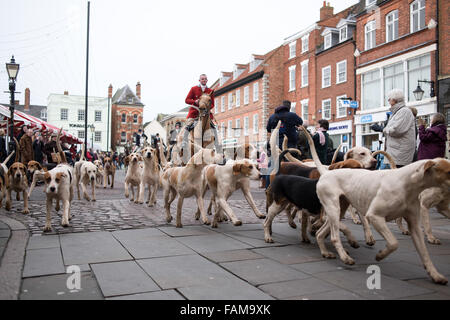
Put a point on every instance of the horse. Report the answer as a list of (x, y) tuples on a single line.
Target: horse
[(202, 135)]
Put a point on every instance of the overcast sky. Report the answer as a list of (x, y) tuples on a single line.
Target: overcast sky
[(165, 45)]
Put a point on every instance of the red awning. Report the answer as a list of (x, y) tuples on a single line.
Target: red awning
[(21, 118)]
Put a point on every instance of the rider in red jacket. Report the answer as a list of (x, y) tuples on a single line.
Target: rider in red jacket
[(192, 117)]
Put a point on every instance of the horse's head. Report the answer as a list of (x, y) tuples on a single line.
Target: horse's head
[(204, 104)]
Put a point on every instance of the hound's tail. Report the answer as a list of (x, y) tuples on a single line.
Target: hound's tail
[(9, 157), (322, 169), (285, 153), (17, 159), (336, 154), (58, 145), (388, 156)]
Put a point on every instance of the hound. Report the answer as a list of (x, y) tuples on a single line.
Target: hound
[(224, 180), (85, 173), (185, 182), (109, 169), (18, 182), (150, 175), (59, 187), (133, 176), (380, 196)]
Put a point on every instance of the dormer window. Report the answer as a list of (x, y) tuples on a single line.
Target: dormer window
[(327, 41), (343, 34), (130, 99)]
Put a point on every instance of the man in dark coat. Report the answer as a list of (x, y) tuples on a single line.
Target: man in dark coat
[(289, 122), (38, 148)]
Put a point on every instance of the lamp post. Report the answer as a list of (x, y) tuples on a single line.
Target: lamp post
[(13, 70), (92, 136), (418, 93)]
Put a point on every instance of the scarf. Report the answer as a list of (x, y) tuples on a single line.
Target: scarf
[(321, 135)]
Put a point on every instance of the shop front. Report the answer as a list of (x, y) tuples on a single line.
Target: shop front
[(341, 132)]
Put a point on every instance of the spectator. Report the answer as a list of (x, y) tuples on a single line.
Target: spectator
[(432, 140), (50, 147), (416, 131), (174, 133), (399, 130), (23, 130), (321, 140), (140, 135), (3, 152), (38, 148), (26, 147), (262, 166), (289, 122)]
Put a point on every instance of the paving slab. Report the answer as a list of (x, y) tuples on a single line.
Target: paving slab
[(143, 244), (255, 238), (55, 288), (290, 254), (227, 290), (232, 255), (185, 271), (211, 243), (5, 233), (136, 234), (319, 266), (43, 242), (329, 295), (41, 262), (402, 270), (3, 226), (261, 271), (429, 284), (91, 247), (155, 295), (229, 227), (294, 288), (121, 278), (356, 281), (187, 231)]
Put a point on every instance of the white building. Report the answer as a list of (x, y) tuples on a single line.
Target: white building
[(68, 111)]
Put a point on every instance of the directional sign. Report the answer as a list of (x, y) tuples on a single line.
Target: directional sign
[(354, 104)]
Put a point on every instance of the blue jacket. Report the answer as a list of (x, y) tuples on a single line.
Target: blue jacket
[(289, 120)]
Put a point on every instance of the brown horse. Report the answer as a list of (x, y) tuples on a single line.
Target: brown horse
[(202, 135)]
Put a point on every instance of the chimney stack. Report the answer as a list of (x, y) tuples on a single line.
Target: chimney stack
[(326, 11), (66, 93), (27, 100), (110, 91), (138, 90)]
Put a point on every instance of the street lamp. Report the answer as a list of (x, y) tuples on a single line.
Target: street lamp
[(418, 93), (92, 137), (13, 70)]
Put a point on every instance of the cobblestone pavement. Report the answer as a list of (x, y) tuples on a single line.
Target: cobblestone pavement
[(112, 211)]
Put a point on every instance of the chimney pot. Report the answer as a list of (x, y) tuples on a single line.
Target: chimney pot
[(66, 93), (110, 89)]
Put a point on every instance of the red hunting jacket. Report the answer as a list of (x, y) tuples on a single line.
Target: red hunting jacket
[(195, 94)]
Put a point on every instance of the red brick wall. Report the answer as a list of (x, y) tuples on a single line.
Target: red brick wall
[(410, 40), (331, 57)]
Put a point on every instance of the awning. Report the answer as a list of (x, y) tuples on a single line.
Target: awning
[(21, 118)]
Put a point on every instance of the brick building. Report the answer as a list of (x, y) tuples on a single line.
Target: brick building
[(396, 46), (245, 98), (318, 70), (126, 116)]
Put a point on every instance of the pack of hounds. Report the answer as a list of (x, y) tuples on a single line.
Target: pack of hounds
[(320, 194)]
